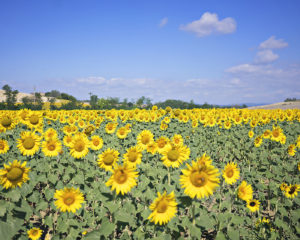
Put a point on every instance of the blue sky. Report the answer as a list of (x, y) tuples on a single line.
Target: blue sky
[(221, 52)]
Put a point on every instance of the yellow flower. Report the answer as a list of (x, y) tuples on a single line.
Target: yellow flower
[(3, 146), (122, 133), (253, 205), (34, 233), (50, 133), (96, 142), (14, 174), (231, 173), (111, 127), (276, 133), (51, 147), (7, 122), (144, 138), (152, 147), (122, 179), (173, 156), (163, 208), (79, 146), (292, 150), (133, 156), (292, 190), (68, 140), (68, 199), (162, 143), (108, 158), (177, 139), (245, 191), (199, 180), (257, 141), (29, 143), (250, 134), (204, 160)]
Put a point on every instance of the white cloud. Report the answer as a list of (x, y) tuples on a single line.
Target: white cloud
[(92, 80), (235, 81), (210, 24), (163, 22), (273, 43), (265, 56)]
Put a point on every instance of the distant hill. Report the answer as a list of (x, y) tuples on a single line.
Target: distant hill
[(280, 105)]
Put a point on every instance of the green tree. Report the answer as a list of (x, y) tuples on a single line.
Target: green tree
[(11, 96)]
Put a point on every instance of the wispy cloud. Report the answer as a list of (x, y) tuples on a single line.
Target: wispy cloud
[(266, 56), (163, 22), (208, 24), (273, 43), (92, 80)]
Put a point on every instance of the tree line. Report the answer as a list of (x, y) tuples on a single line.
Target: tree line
[(35, 102)]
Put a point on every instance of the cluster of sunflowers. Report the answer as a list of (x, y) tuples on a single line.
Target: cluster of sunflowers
[(78, 136)]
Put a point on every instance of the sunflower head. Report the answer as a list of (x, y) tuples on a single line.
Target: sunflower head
[(253, 205), (133, 156), (14, 174), (199, 180), (231, 173), (68, 199), (34, 233), (122, 179), (245, 191), (108, 158), (163, 208), (29, 143)]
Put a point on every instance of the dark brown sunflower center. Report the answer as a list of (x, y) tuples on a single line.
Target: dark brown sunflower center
[(161, 144), (14, 174), (79, 146), (145, 139), (275, 133), (229, 173), (292, 190), (51, 147), (34, 119), (96, 142), (162, 206), (69, 200), (120, 176), (28, 143), (34, 232), (108, 159), (122, 131), (198, 179), (252, 204), (1, 146), (173, 155), (132, 156), (6, 122), (89, 129)]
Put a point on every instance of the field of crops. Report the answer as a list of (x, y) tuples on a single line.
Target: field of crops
[(143, 174)]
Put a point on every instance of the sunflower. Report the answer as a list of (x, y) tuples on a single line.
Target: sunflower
[(50, 133), (152, 147), (253, 205), (162, 144), (4, 147), (68, 140), (79, 146), (199, 180), (163, 126), (231, 173), (96, 142), (122, 132), (227, 124), (51, 147), (133, 156), (258, 141), (292, 190), (35, 120), (34, 233), (292, 150), (266, 134), (173, 156), (68, 199), (14, 174), (122, 179), (29, 143), (276, 133), (108, 158), (245, 191), (163, 208), (204, 160), (177, 139), (144, 138), (7, 122), (89, 129), (250, 134), (110, 127), (283, 186)]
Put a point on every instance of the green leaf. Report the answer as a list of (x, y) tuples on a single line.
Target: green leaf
[(112, 207), (49, 194), (195, 231), (2, 208), (7, 230), (14, 195), (233, 234), (106, 227), (220, 236), (42, 205), (94, 235)]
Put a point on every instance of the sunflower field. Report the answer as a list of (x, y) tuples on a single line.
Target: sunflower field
[(150, 174)]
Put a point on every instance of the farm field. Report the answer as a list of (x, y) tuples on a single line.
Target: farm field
[(150, 174)]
